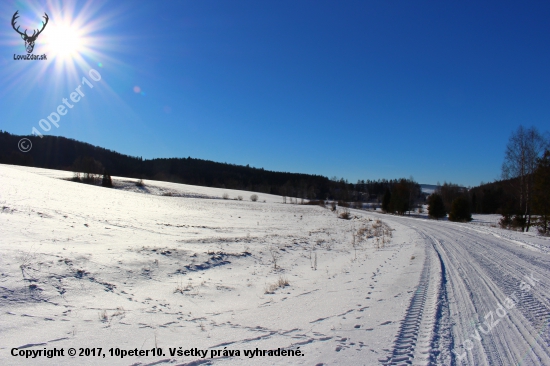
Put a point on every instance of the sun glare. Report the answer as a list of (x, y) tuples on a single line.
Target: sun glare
[(74, 36), (73, 40), (64, 41)]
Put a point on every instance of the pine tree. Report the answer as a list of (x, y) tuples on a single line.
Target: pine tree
[(460, 210), (386, 201), (400, 196), (436, 208)]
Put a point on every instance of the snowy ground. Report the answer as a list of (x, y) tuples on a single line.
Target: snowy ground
[(169, 266), (85, 266)]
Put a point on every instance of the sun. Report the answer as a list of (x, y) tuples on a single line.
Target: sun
[(64, 41)]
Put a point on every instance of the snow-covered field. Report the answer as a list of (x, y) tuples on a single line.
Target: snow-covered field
[(85, 266), (179, 268)]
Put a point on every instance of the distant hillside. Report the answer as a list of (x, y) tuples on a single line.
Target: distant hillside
[(66, 154), (61, 153), (428, 188)]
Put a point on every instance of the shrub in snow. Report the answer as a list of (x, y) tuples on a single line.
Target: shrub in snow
[(345, 214), (512, 222), (541, 194), (76, 177)]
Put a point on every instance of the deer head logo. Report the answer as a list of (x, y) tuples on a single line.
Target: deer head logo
[(29, 40)]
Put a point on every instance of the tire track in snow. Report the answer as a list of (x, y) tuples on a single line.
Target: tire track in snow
[(418, 339)]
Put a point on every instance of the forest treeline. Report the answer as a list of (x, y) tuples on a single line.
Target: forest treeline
[(53, 152)]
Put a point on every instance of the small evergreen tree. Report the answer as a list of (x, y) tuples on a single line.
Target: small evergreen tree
[(386, 200), (401, 193), (106, 181), (436, 207), (460, 210)]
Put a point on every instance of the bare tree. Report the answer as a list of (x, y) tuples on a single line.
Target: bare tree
[(525, 146)]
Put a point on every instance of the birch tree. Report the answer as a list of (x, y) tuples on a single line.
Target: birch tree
[(525, 146)]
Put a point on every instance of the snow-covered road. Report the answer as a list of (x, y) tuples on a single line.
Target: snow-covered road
[(493, 298)]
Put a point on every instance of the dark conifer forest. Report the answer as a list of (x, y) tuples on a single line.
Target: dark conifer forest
[(61, 153)]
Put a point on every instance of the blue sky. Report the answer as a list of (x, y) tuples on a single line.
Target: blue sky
[(353, 89)]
